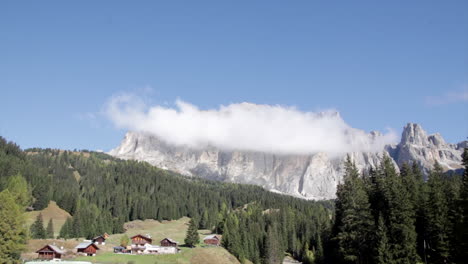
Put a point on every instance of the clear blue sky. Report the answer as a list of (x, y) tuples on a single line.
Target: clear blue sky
[(380, 63)]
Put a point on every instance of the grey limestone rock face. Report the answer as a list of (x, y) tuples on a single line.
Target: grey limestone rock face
[(425, 149), (313, 176)]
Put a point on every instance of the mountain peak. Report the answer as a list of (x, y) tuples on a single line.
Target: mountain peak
[(414, 134)]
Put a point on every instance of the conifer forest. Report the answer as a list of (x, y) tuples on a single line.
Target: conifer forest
[(384, 215)]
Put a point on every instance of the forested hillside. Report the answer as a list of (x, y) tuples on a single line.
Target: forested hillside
[(381, 216), (386, 217), (101, 193)]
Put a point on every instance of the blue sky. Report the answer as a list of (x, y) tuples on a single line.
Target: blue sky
[(380, 64)]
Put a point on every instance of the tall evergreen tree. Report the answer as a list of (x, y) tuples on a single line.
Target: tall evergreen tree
[(37, 228), (355, 223), (438, 224), (50, 229), (273, 251), (66, 230), (461, 223), (12, 232), (400, 215), (192, 238), (382, 248), (204, 220), (420, 207)]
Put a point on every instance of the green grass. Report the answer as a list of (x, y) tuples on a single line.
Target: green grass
[(176, 230), (187, 255)]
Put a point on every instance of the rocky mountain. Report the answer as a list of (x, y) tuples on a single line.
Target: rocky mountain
[(416, 145), (313, 176)]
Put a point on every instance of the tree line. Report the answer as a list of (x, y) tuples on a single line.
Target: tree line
[(387, 217)]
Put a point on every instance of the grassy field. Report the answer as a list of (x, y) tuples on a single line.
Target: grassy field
[(197, 255), (176, 230), (157, 230), (58, 215)]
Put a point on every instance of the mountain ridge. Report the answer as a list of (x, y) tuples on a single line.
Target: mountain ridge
[(310, 176)]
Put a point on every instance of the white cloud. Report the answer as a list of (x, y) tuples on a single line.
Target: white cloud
[(449, 98), (244, 126)]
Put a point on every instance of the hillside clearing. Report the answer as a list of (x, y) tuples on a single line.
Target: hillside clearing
[(175, 229), (52, 211)]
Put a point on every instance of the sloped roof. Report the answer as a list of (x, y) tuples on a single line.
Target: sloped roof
[(170, 240), (85, 245), (99, 237), (211, 237), (53, 248), (139, 235)]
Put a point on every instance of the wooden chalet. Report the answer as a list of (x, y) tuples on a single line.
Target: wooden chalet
[(87, 248), (214, 240), (99, 240), (167, 242), (141, 240), (50, 252)]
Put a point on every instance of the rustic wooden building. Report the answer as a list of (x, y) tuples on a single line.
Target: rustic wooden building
[(50, 252), (87, 248), (167, 242), (141, 240), (99, 240), (214, 240)]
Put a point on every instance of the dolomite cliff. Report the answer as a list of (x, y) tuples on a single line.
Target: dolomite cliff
[(313, 176)]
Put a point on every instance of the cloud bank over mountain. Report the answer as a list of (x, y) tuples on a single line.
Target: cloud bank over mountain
[(244, 126)]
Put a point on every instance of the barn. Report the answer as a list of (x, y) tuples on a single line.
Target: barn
[(50, 252), (167, 242), (214, 240), (87, 249), (99, 240)]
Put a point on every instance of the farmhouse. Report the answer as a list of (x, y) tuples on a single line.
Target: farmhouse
[(99, 240), (167, 242), (87, 249), (50, 252), (141, 240), (214, 240)]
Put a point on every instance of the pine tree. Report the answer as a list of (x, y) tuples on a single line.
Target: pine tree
[(66, 230), (41, 195), (204, 220), (382, 247), (420, 207), (37, 228), (273, 252), (192, 237), (461, 223), (50, 229), (354, 219), (12, 232), (400, 218), (438, 225)]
